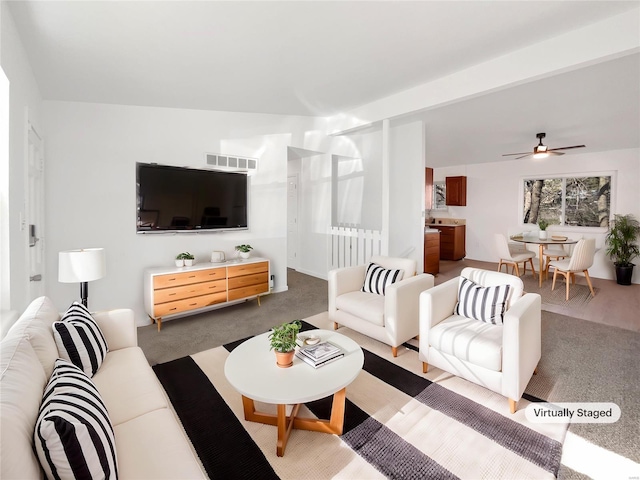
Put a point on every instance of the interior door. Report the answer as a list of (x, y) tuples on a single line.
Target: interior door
[(35, 214), (292, 222)]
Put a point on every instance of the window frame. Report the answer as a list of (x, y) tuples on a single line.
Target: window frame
[(564, 176)]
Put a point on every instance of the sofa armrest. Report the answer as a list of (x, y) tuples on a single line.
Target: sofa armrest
[(343, 280), (521, 344), (118, 327), (402, 306), (436, 304)]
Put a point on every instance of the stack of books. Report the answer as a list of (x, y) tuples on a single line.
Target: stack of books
[(320, 354)]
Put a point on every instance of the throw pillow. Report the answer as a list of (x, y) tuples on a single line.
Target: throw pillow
[(377, 278), (486, 304), (80, 340), (73, 436)]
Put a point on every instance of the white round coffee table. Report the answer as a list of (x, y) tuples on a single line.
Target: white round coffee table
[(251, 369)]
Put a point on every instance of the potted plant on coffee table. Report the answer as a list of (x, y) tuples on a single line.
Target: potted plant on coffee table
[(244, 250), (622, 246), (282, 340)]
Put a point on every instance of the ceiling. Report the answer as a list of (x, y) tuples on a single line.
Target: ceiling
[(322, 58)]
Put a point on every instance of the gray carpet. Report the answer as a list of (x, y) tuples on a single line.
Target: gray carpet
[(582, 361)]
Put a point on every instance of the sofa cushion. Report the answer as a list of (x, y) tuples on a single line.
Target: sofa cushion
[(80, 340), (486, 304), (36, 323), (368, 306), (22, 381), (73, 436), (154, 446), (128, 386), (377, 278), (470, 340)]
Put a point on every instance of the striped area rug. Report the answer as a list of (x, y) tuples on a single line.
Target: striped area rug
[(399, 423)]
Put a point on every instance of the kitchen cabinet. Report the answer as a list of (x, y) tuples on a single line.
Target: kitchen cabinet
[(428, 188), (456, 191), (452, 241), (431, 251)]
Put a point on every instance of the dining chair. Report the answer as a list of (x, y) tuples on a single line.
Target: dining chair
[(579, 262), (512, 257)]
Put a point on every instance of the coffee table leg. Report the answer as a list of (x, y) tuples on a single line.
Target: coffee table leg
[(285, 424)]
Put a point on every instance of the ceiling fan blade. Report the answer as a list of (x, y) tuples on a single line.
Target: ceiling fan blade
[(510, 154), (525, 155), (565, 148), (555, 153)]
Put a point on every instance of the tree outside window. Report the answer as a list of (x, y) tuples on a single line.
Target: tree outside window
[(568, 201)]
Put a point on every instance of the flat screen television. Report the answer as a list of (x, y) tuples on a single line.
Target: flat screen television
[(181, 199)]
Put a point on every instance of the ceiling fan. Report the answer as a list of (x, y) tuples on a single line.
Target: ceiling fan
[(542, 151)]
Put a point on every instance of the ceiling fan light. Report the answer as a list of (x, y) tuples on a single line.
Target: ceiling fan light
[(540, 155)]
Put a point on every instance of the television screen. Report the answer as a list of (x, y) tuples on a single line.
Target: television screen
[(188, 199)]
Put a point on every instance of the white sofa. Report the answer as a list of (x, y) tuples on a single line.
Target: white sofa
[(150, 442), (391, 318), (500, 357)]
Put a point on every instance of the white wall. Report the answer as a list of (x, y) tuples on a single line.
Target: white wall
[(91, 151), (24, 104), (494, 190), (406, 186)]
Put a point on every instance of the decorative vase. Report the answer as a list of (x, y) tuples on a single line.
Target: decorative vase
[(188, 262), (543, 235), (179, 263), (245, 254), (284, 359)]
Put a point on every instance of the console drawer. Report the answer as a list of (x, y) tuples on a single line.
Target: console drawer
[(249, 291), (187, 291), (179, 306), (187, 278), (239, 270), (246, 280)]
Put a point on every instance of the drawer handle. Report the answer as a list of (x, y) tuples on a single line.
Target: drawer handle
[(171, 294), (174, 308), (193, 304), (192, 276)]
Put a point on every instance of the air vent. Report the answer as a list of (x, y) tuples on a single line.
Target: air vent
[(231, 163)]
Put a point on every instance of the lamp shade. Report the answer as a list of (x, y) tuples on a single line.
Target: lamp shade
[(83, 265)]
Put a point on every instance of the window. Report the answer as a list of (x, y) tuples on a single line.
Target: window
[(568, 201)]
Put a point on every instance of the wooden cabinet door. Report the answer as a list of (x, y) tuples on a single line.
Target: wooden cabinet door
[(456, 192)]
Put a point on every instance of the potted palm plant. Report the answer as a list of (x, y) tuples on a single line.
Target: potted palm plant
[(282, 340), (622, 246)]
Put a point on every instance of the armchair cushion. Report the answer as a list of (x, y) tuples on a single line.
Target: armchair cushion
[(469, 340), (486, 304), (377, 278), (368, 306)]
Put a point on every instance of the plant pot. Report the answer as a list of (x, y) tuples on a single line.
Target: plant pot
[(284, 359), (624, 274), (188, 263), (542, 235), (179, 263), (245, 254)]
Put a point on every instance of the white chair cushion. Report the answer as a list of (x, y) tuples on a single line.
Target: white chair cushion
[(367, 306), (470, 340)]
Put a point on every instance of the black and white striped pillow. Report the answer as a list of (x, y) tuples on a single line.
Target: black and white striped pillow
[(486, 304), (80, 340), (377, 278), (74, 436)]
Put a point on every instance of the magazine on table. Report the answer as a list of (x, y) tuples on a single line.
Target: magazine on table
[(321, 351), (319, 364)]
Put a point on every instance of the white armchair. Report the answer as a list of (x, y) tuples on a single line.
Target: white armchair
[(500, 357), (391, 318)]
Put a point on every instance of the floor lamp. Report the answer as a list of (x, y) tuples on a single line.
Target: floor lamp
[(82, 266)]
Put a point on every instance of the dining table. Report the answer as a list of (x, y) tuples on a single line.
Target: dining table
[(534, 238)]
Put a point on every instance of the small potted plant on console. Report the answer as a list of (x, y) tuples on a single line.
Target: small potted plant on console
[(282, 340), (184, 259), (244, 250)]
